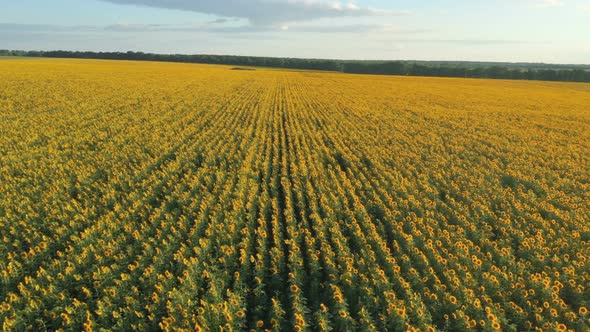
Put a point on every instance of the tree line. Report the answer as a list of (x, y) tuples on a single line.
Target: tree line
[(519, 71)]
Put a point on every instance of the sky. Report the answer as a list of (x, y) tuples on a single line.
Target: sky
[(550, 31)]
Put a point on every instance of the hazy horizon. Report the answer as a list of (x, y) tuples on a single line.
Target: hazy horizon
[(530, 31)]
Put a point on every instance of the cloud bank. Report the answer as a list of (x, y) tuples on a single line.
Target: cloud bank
[(265, 12), (210, 27)]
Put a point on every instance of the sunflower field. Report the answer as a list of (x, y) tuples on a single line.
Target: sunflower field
[(178, 197)]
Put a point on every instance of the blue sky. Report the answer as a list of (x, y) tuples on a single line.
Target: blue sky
[(555, 31)]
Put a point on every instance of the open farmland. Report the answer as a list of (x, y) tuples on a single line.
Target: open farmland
[(151, 196)]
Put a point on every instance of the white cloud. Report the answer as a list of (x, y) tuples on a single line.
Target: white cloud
[(549, 3), (265, 12)]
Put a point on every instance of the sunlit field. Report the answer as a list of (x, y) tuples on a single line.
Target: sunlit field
[(159, 196)]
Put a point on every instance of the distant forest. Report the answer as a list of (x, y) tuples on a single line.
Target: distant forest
[(495, 70)]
